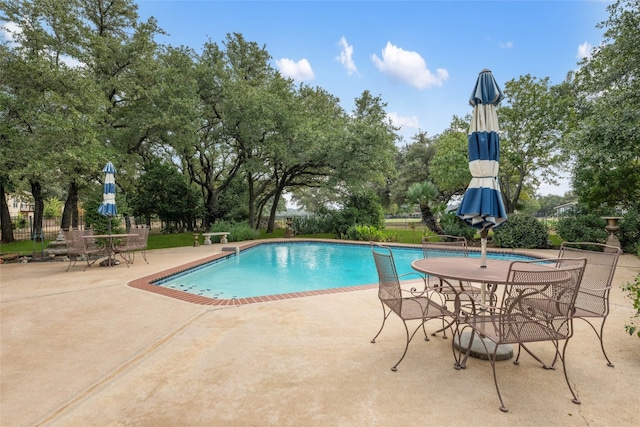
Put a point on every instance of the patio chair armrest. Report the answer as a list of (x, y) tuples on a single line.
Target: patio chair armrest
[(412, 293), (467, 304), (441, 284), (411, 276), (606, 288), (411, 273)]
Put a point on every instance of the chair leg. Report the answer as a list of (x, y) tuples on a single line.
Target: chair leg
[(406, 347), (127, 256), (73, 258), (409, 339), (600, 337), (492, 361), (503, 408), (89, 261), (445, 326), (575, 399), (459, 361), (544, 365), (456, 356), (384, 319)]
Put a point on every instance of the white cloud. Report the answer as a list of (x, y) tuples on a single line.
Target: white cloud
[(299, 71), (506, 45), (8, 31), (400, 121), (71, 62), (584, 50), (408, 67), (345, 57)]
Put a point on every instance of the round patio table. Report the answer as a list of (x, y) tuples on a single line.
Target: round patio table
[(469, 270)]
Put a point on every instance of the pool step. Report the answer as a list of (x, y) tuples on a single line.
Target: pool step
[(231, 249)]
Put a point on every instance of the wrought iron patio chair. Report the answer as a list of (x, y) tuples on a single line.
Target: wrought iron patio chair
[(592, 302), (449, 246), (81, 247), (408, 304), (537, 305), (136, 242)]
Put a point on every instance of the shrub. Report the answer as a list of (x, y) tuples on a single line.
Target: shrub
[(52, 208), (629, 233), (452, 224), (239, 231), (20, 221), (522, 231), (364, 233), (634, 294), (582, 227), (315, 224), (360, 209)]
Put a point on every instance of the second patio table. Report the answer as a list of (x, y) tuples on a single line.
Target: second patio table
[(110, 259)]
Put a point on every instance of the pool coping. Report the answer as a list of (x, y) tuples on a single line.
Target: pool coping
[(146, 283)]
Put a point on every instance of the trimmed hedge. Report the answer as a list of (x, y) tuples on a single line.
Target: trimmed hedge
[(582, 228), (239, 231), (522, 231)]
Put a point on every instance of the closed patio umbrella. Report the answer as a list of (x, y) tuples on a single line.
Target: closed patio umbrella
[(482, 206), (108, 206)]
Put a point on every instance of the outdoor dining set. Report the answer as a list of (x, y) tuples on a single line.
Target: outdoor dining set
[(493, 307), (84, 244)]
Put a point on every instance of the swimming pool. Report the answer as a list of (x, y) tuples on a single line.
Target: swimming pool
[(289, 267)]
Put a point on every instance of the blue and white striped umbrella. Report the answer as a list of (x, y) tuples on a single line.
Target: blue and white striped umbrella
[(108, 206), (482, 206)]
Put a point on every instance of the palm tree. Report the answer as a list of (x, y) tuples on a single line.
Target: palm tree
[(425, 194)]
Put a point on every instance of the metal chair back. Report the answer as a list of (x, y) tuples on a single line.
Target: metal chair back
[(592, 301)]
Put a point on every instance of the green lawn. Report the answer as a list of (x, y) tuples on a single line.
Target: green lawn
[(160, 241)]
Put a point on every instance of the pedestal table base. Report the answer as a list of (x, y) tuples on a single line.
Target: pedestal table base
[(505, 351)]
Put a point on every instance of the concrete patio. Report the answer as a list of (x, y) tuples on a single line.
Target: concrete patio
[(82, 348)]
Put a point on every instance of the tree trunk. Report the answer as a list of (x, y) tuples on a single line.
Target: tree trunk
[(259, 218), (252, 202), (5, 218), (274, 209), (70, 211), (211, 207), (38, 210), (429, 220)]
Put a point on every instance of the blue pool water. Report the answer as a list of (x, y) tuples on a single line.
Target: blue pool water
[(279, 268)]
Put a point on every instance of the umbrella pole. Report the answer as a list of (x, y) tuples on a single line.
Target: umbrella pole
[(483, 248), (110, 249)]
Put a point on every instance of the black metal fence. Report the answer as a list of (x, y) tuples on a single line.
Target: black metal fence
[(23, 227)]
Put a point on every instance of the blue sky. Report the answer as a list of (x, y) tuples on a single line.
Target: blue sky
[(421, 57)]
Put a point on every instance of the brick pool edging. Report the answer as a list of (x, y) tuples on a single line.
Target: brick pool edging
[(146, 283)]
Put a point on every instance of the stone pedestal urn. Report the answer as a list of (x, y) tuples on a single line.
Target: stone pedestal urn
[(612, 227), (289, 232)]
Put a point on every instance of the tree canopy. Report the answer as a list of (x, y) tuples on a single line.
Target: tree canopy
[(84, 82), (606, 136)]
